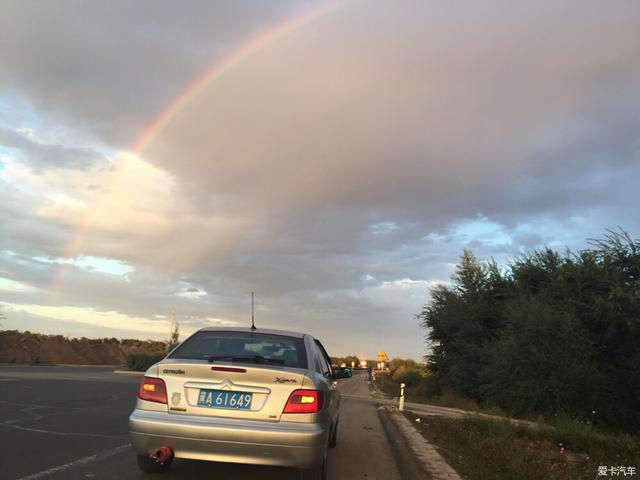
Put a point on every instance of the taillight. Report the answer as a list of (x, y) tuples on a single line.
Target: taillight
[(304, 401), (153, 390)]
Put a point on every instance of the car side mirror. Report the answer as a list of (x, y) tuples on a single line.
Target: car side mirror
[(342, 373)]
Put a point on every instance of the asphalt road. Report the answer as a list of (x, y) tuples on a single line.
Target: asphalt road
[(71, 422)]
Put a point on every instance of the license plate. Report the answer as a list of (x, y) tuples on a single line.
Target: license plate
[(224, 399)]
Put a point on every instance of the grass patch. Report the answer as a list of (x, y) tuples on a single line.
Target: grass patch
[(387, 385), (487, 449), (446, 399)]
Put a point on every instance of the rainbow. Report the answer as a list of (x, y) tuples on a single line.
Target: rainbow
[(225, 65)]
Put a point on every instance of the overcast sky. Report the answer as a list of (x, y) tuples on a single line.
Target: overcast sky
[(339, 170)]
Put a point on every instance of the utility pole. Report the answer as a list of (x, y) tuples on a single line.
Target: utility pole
[(173, 321), (174, 332), (253, 325)]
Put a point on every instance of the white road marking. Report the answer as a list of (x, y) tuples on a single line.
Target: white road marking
[(64, 434), (75, 463), (35, 416)]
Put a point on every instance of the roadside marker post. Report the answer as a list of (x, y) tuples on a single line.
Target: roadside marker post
[(401, 406)]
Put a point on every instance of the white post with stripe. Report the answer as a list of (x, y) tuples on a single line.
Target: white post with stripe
[(401, 406)]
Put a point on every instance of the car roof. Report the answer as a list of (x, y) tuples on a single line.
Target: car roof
[(287, 333)]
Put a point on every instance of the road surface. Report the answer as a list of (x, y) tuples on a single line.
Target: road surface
[(71, 422)]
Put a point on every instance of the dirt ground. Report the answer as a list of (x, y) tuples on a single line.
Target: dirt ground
[(20, 347)]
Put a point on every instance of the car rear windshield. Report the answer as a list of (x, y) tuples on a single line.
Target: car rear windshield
[(243, 347)]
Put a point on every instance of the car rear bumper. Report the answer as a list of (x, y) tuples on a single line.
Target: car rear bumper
[(289, 444)]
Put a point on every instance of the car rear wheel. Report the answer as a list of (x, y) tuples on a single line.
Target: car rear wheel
[(149, 465)]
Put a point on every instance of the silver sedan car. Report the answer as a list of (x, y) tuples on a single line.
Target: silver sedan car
[(239, 395)]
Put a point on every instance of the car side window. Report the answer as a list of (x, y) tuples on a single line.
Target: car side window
[(317, 361), (325, 364), (324, 367)]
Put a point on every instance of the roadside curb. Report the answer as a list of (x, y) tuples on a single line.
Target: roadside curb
[(425, 453), (405, 460), (128, 372)]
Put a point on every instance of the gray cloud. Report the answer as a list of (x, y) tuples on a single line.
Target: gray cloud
[(429, 124), (23, 230), (341, 158), (108, 70), (41, 156)]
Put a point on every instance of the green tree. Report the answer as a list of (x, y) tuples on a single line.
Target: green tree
[(463, 321), (552, 332), (346, 360), (544, 361), (174, 339)]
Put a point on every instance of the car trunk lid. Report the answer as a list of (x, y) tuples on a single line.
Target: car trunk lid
[(229, 389)]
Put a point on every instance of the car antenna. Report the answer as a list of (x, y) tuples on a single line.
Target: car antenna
[(253, 325)]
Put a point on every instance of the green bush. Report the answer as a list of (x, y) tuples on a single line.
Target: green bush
[(409, 376), (548, 334), (407, 371), (142, 361)]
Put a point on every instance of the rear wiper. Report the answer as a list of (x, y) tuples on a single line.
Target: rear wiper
[(246, 358)]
